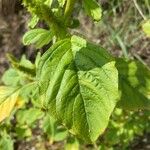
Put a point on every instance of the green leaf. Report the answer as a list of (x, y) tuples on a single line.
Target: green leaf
[(55, 133), (23, 131), (6, 143), (23, 66), (134, 84), (72, 144), (48, 2), (146, 27), (39, 37), (93, 9), (33, 22), (79, 86), (61, 2), (29, 116), (11, 77)]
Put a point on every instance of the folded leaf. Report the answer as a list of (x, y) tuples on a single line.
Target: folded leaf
[(93, 9), (79, 86), (23, 66), (134, 84), (8, 99), (39, 37)]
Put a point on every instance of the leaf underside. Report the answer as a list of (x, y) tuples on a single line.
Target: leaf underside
[(78, 84)]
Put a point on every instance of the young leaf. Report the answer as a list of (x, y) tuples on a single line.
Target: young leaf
[(8, 99), (72, 144), (79, 86), (134, 84), (23, 66), (146, 27), (6, 143), (29, 116), (11, 77), (39, 37), (61, 2), (93, 9), (33, 22), (23, 131)]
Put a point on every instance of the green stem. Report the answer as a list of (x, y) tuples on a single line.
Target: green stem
[(58, 27), (68, 10)]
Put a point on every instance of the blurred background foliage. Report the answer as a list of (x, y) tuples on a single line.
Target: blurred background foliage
[(120, 32)]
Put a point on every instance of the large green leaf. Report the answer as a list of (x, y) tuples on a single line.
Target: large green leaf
[(134, 84), (79, 86)]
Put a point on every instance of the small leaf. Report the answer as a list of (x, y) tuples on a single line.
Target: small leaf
[(8, 99), (39, 37), (134, 84), (93, 9), (146, 27), (38, 57), (79, 86), (23, 131), (33, 22), (24, 66), (11, 77), (72, 144), (61, 2), (29, 116), (6, 143), (48, 2), (55, 133)]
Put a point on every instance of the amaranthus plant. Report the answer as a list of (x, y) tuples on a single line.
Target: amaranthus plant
[(75, 81)]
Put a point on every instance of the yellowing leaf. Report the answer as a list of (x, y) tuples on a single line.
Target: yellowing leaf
[(8, 98), (146, 27), (19, 103)]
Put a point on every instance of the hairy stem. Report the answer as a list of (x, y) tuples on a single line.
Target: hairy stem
[(58, 27)]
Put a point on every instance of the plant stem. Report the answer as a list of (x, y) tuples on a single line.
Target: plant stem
[(58, 27), (68, 10), (139, 9)]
